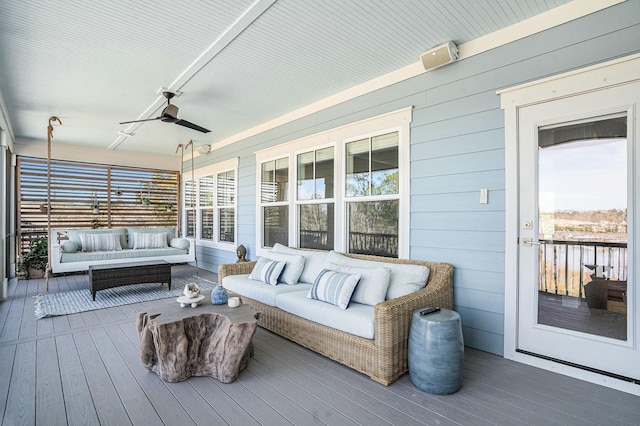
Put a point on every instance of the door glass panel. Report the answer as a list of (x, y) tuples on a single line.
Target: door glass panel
[(582, 226)]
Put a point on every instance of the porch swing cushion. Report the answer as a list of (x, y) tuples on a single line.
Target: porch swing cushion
[(68, 255)]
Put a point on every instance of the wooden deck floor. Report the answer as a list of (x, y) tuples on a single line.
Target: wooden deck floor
[(83, 369)]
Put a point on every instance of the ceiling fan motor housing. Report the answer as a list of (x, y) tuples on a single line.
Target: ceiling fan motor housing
[(169, 114)]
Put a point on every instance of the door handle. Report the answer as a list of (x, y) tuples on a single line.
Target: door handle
[(529, 242)]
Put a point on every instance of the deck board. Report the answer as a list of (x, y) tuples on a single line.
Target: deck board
[(21, 401), (168, 408), (109, 407), (84, 369), (7, 354), (78, 401), (49, 394)]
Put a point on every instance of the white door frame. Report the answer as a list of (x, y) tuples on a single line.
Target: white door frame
[(619, 71)]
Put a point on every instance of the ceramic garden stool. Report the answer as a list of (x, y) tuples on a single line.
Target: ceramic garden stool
[(436, 351)]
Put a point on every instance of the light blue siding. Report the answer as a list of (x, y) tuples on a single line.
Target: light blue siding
[(482, 141), (457, 148)]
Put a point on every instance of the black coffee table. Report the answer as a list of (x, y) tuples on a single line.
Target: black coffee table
[(102, 277)]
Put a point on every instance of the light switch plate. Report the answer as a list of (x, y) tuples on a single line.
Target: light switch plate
[(484, 196)]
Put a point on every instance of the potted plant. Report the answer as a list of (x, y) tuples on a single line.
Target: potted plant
[(34, 262)]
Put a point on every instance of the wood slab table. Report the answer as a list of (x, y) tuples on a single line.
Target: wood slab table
[(209, 340)]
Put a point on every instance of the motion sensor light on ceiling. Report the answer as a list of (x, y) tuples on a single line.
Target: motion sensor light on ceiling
[(439, 56)]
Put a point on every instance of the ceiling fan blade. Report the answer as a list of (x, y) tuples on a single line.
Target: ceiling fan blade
[(190, 125), (140, 121)]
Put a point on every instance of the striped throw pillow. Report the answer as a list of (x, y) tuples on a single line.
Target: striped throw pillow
[(100, 242), (334, 287), (148, 240), (267, 271)]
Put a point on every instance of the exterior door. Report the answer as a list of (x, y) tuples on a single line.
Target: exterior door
[(578, 201)]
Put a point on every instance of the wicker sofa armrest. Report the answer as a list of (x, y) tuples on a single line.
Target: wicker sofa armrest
[(393, 317), (234, 269)]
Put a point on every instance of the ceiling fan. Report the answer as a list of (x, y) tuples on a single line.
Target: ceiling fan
[(170, 115)]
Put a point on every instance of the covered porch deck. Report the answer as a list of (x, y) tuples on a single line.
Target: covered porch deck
[(84, 369)]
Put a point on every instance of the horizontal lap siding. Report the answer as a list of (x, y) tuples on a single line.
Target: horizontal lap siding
[(457, 148)]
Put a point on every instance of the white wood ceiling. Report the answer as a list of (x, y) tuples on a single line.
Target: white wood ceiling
[(238, 63)]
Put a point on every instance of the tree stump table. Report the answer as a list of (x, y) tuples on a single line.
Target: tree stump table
[(210, 340)]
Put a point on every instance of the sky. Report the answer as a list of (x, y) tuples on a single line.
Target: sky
[(583, 176)]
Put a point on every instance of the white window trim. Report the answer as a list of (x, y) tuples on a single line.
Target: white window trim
[(396, 121), (214, 170)]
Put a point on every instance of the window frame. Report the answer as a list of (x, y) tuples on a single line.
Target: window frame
[(213, 170), (396, 121)]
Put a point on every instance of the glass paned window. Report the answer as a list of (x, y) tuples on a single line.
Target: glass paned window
[(189, 194), (372, 166), (373, 227), (357, 179), (226, 188), (227, 225), (274, 186), (206, 191), (212, 217), (315, 175), (275, 180), (384, 164), (316, 226), (190, 212), (226, 208), (205, 205), (324, 173), (276, 225), (190, 216), (206, 224), (315, 182), (350, 189), (306, 184)]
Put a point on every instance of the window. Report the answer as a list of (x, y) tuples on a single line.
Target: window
[(351, 189), (210, 205), (372, 195), (315, 219), (226, 191), (274, 200)]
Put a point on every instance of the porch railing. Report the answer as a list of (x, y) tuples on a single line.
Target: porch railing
[(359, 242), (566, 266)]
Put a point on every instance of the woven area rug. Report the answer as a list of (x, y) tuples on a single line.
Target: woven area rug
[(71, 302)]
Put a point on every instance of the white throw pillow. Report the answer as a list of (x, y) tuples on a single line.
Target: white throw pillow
[(100, 242), (267, 271), (69, 247), (373, 285), (180, 243), (405, 278), (294, 264), (334, 287), (147, 240), (313, 264)]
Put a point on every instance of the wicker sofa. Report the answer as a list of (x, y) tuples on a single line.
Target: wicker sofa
[(384, 357)]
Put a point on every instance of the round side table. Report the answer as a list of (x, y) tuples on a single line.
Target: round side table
[(436, 351)]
